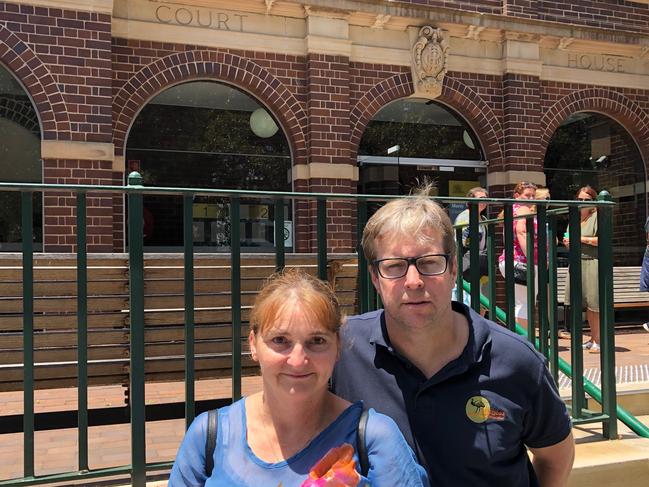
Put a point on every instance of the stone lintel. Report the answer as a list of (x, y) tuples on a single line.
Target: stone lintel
[(510, 178), (67, 149), (327, 45), (319, 170)]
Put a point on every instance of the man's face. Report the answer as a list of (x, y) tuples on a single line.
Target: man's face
[(481, 206), (414, 301)]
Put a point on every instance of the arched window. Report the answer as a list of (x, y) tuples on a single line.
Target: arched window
[(20, 160), (412, 140), (205, 134), (591, 148)]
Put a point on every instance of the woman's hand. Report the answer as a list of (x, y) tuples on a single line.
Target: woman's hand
[(336, 469), (592, 241)]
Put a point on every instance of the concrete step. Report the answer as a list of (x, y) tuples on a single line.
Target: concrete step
[(632, 396), (600, 462)]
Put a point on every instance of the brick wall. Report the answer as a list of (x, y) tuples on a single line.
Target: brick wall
[(479, 99), (87, 86), (129, 56), (118, 202), (328, 108), (149, 75), (328, 105), (526, 9), (617, 15), (481, 6), (629, 107), (73, 49), (59, 208), (157, 65), (62, 57), (522, 114)]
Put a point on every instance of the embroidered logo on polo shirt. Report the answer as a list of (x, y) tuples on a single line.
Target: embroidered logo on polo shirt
[(479, 410)]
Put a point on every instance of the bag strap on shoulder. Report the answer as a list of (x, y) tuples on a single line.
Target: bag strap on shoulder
[(210, 441), (361, 446)]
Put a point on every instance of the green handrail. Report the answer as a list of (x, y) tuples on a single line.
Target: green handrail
[(626, 417)]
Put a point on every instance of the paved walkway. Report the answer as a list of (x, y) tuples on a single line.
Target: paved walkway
[(631, 359), (56, 451)]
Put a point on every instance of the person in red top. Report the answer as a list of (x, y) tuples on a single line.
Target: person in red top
[(522, 191)]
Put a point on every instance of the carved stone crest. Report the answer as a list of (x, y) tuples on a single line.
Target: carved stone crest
[(429, 61)]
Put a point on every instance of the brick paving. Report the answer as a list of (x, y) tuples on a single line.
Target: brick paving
[(56, 451), (109, 446), (631, 347)]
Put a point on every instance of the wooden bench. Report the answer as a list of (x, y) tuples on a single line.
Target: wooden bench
[(55, 320), (626, 288)]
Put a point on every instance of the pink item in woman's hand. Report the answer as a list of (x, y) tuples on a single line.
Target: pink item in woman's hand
[(336, 469)]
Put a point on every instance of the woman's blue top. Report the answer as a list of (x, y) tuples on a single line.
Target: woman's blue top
[(391, 461)]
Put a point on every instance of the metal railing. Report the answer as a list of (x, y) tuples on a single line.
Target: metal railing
[(546, 214)]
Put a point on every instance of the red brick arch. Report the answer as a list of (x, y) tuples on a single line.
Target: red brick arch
[(39, 84), (455, 94), (604, 101), (210, 65)]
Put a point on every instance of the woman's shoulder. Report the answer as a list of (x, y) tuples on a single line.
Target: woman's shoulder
[(392, 461), (199, 425), (382, 427)]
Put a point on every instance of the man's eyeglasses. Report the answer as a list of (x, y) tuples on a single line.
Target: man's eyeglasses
[(426, 265)]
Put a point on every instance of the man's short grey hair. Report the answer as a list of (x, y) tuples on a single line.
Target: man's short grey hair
[(410, 218), (478, 189)]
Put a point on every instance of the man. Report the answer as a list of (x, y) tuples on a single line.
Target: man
[(463, 219), (468, 395)]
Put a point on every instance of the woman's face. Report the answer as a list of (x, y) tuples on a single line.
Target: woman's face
[(583, 196), (296, 355), (527, 194)]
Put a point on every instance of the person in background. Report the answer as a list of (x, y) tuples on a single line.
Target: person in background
[(469, 396), (463, 219), (295, 432), (589, 267), (544, 194), (522, 191), (644, 272)]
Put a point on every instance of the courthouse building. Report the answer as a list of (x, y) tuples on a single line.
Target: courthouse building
[(345, 96)]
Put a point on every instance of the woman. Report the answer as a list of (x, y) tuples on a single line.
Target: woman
[(276, 436), (522, 191), (589, 267)]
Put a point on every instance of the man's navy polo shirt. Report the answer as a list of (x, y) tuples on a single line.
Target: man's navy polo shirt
[(474, 417)]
